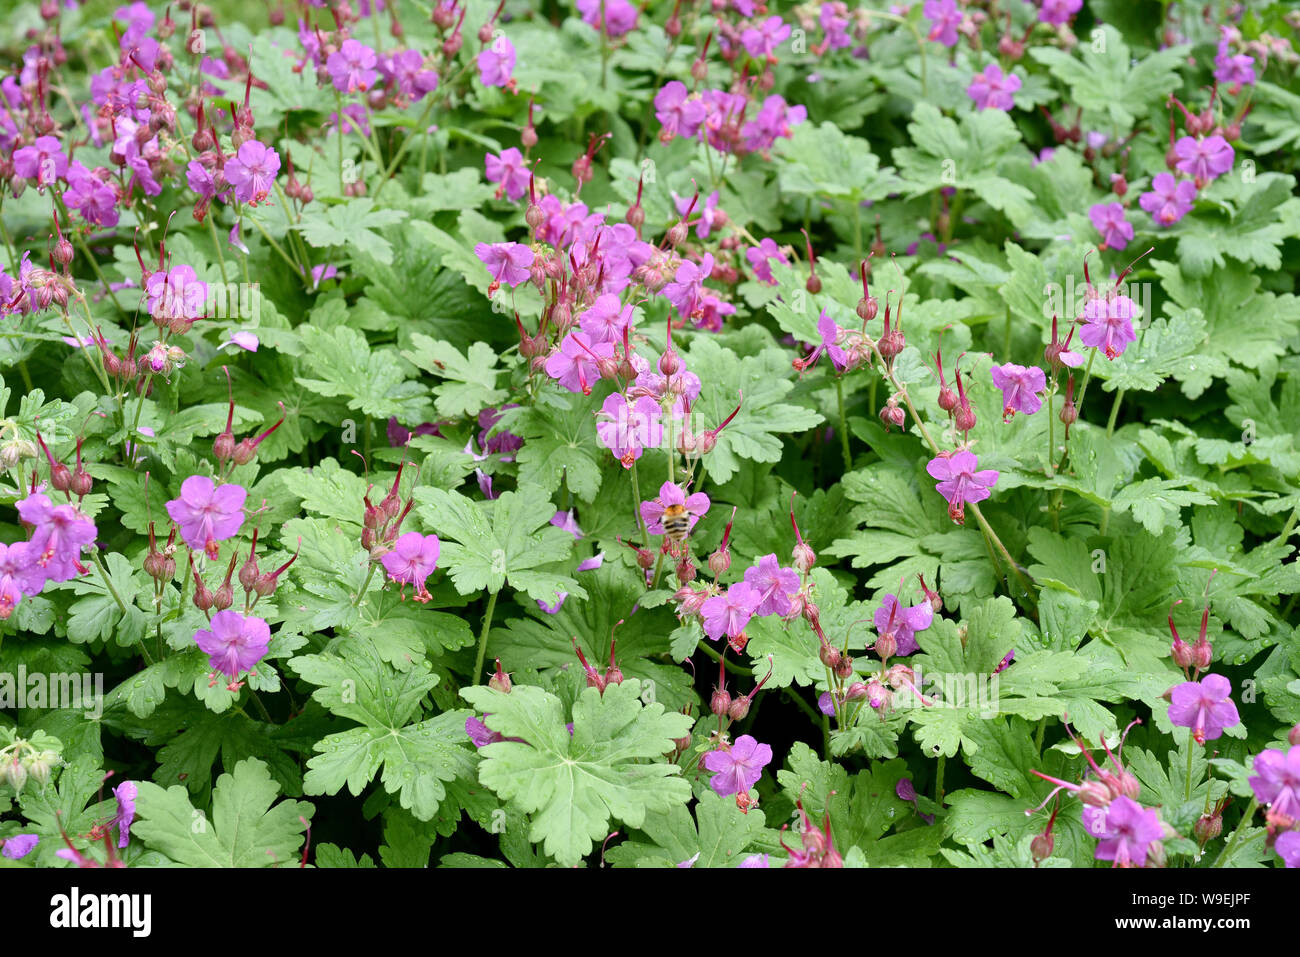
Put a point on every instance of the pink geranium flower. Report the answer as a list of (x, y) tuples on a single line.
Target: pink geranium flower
[(1205, 706), (1020, 387), (1276, 781), (509, 170), (60, 533), (506, 262), (1108, 219), (1108, 324), (496, 63), (1169, 200), (775, 585), (233, 644), (252, 172), (607, 319), (672, 494), (574, 364), (412, 561), (993, 89), (207, 514), (737, 768), (680, 113), (760, 257), (351, 67), (628, 428), (729, 613), (944, 18), (959, 482), (1124, 830), (891, 618), (1203, 160)]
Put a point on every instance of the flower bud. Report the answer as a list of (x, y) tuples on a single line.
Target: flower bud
[(249, 573), (635, 217), (1293, 736), (856, 692), (223, 446), (534, 216), (676, 235), (1207, 827), (947, 399), (720, 703), (719, 562), (1182, 653), (1202, 653), (739, 708), (813, 285), (891, 344), (686, 571), (964, 418), (699, 70), (803, 558), (1118, 184), (886, 646), (203, 599), (844, 667), (893, 414), (1094, 794), (15, 773), (1041, 847), (829, 655), (81, 482), (1069, 411)]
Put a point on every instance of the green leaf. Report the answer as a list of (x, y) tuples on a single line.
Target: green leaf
[(471, 377), (756, 432), (245, 829), (572, 785), (560, 446), (1107, 79), (374, 383), (1166, 347), (351, 223), (820, 160), (489, 544), (417, 759), (966, 155), (717, 836)]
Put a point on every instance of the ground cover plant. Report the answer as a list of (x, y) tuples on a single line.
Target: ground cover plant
[(693, 434)]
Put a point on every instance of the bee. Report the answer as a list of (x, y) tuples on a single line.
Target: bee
[(677, 524)]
